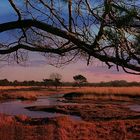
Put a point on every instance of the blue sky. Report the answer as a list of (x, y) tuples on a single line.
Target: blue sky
[(37, 68), (6, 11)]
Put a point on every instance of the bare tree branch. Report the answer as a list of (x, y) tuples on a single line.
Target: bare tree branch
[(108, 30)]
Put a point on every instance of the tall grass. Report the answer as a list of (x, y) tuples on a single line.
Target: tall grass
[(110, 90)]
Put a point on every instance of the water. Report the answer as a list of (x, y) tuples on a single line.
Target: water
[(17, 107), (134, 107)]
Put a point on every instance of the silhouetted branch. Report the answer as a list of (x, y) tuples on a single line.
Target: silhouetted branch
[(107, 30)]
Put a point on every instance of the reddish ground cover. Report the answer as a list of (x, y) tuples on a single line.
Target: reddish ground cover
[(63, 128), (100, 121)]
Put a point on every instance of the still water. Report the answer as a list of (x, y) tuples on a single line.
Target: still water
[(134, 107), (17, 107)]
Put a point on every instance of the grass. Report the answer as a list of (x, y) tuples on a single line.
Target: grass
[(24, 128), (99, 90), (110, 90), (105, 93), (62, 128), (21, 92)]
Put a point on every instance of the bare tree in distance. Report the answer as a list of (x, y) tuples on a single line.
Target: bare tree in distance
[(56, 79), (67, 30)]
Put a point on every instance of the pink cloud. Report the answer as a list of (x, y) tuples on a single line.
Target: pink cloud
[(102, 73)]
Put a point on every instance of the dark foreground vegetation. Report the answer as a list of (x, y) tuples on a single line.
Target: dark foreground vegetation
[(63, 128), (115, 83)]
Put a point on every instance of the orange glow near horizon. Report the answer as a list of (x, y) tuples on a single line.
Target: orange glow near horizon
[(92, 73)]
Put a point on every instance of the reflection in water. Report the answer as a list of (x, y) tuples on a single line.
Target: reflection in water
[(135, 107), (17, 107)]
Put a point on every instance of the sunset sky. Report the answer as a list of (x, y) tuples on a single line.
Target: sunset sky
[(37, 68)]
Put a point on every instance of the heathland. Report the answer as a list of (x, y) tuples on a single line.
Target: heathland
[(106, 113)]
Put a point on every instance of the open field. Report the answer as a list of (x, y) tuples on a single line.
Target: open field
[(101, 93), (110, 90), (125, 90), (104, 113), (35, 91)]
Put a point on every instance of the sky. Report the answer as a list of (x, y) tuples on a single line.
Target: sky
[(38, 69)]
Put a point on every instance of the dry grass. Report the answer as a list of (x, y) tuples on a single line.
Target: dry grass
[(25, 92), (13, 87), (110, 90), (62, 128), (105, 93), (100, 90)]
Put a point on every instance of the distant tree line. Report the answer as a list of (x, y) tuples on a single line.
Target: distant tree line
[(5, 82), (54, 80), (49, 82), (115, 83)]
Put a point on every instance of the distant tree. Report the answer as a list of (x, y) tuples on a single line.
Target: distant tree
[(4, 82), (15, 83), (80, 80), (48, 82), (56, 78)]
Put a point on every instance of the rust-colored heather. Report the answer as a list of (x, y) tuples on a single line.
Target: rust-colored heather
[(63, 128)]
